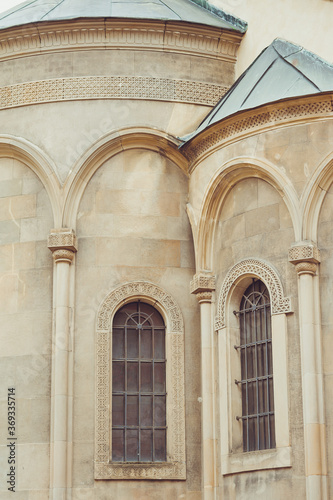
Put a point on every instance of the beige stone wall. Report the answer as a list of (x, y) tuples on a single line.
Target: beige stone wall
[(26, 324), (326, 279), (132, 225)]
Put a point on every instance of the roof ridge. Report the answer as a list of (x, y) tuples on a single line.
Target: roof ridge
[(229, 18)]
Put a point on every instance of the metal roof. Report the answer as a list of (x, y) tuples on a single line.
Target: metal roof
[(194, 11), (282, 70)]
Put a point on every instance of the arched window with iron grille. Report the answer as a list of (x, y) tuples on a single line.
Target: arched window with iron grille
[(138, 385), (256, 382)]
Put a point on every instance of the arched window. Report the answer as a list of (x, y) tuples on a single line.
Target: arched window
[(138, 385), (256, 384)]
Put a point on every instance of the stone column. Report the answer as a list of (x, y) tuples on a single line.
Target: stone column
[(62, 243), (306, 259), (203, 286)]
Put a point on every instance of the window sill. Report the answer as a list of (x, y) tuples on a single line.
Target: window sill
[(256, 460), (146, 470)]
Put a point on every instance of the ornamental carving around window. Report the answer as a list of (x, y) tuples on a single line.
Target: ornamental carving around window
[(141, 446)]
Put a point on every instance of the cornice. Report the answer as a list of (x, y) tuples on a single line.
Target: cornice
[(288, 112), (166, 36), (110, 87)]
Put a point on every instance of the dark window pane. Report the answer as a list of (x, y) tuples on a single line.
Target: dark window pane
[(160, 445), (146, 344), (159, 347), (118, 376), (159, 377), (146, 411), (132, 445), (159, 411), (118, 445), (146, 446), (147, 377), (132, 376), (132, 343), (118, 410), (118, 343), (132, 410)]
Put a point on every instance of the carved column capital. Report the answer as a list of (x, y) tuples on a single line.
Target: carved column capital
[(62, 243), (203, 285), (305, 257)]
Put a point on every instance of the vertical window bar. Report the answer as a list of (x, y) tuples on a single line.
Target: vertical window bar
[(268, 372)]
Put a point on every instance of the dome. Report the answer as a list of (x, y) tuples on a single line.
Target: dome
[(196, 11)]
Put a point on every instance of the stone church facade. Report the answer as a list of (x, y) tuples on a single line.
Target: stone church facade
[(166, 257)]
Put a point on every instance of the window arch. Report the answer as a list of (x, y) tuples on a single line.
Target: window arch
[(171, 464), (256, 361), (247, 281), (138, 384)]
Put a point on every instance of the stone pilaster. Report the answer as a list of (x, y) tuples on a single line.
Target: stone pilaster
[(203, 286), (62, 243), (306, 258)]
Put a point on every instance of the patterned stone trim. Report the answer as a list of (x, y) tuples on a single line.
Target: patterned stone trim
[(300, 253), (202, 282), (306, 268), (62, 238), (258, 268), (110, 87), (100, 34), (231, 128), (175, 468)]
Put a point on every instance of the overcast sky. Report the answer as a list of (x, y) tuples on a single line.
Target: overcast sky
[(8, 4)]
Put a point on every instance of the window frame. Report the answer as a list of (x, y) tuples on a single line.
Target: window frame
[(163, 302), (233, 458)]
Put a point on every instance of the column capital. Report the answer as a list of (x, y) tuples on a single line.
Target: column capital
[(305, 256), (62, 243), (203, 285)]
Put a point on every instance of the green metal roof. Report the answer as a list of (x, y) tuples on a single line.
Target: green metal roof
[(282, 70), (194, 11)]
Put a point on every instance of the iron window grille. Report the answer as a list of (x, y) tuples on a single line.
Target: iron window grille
[(138, 385), (256, 382)]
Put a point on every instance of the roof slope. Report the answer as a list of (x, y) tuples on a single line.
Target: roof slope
[(281, 70), (194, 11)]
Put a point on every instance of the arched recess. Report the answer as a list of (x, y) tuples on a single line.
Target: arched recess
[(227, 325), (252, 268), (29, 154), (313, 197), (108, 146), (175, 467), (223, 181)]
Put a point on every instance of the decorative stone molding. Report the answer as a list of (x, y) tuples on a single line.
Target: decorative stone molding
[(258, 268), (175, 468), (110, 87), (203, 286), (246, 122), (62, 243), (305, 257), (306, 252), (104, 34)]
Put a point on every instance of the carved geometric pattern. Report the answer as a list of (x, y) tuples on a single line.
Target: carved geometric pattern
[(202, 283), (159, 36), (175, 467), (279, 303), (300, 253), (110, 87), (62, 238), (195, 149)]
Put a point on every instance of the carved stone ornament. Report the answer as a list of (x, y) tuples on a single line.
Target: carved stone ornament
[(102, 34), (62, 243), (110, 87), (253, 121), (306, 268), (175, 467), (260, 269), (306, 253), (203, 282)]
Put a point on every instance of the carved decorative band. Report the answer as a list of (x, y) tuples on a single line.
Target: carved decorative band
[(110, 87), (63, 256), (62, 243), (306, 268), (202, 283), (125, 34), (197, 148), (175, 468), (307, 253), (252, 267)]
